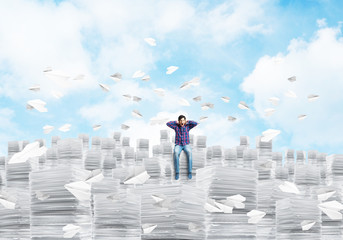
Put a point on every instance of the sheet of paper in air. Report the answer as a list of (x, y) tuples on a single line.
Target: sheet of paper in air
[(231, 119), (41, 196), (96, 127), (325, 194), (225, 99), (206, 106), (116, 77), (331, 209), (124, 127), (104, 87), (194, 82), (236, 201), (31, 150), (7, 201), (37, 104), (269, 111), (136, 99), (59, 77), (57, 94), (183, 102), (290, 94), (80, 189), (307, 225), (148, 228), (159, 91), (243, 105), (35, 88), (211, 206), (136, 114), (197, 99), (255, 216), (65, 128), (292, 79), (138, 74), (70, 230), (79, 77), (269, 134), (289, 187), (47, 129), (312, 97), (150, 41), (274, 100), (127, 97), (95, 176), (203, 118), (158, 197), (137, 175), (171, 69), (146, 78), (302, 117)]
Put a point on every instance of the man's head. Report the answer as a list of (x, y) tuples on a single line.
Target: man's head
[(182, 120)]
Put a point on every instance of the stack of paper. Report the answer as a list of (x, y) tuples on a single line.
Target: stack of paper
[(264, 148), (93, 159), (109, 162), (70, 152), (118, 155), (13, 148), (60, 196), (290, 162), (117, 216), (191, 140), (301, 157), (142, 150), (265, 168), (107, 144), (129, 157), (198, 159), (249, 156), (217, 156), (167, 150), (157, 150), (85, 140), (17, 175), (141, 155), (201, 141), (54, 140), (244, 141), (14, 213), (96, 143), (208, 156), (307, 175), (116, 137), (281, 171), (164, 135), (125, 142), (230, 157), (298, 219), (335, 168), (153, 168), (240, 150)]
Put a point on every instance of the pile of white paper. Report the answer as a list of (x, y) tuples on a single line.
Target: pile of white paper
[(93, 159), (85, 140), (70, 152)]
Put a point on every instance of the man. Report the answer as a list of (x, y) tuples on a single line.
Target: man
[(182, 128)]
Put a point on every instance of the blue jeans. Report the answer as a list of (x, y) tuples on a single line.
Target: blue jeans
[(177, 152)]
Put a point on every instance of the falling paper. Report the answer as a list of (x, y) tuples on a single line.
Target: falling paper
[(38, 104), (138, 179), (146, 78), (206, 106), (47, 129), (307, 225), (255, 216), (70, 230), (136, 113), (136, 99), (95, 176), (127, 97), (31, 150), (269, 111), (65, 127), (7, 201), (104, 87), (226, 99), (210, 206), (96, 127), (223, 207), (35, 88), (148, 228), (197, 99), (243, 105), (125, 127), (138, 74), (324, 195), (231, 119), (171, 69), (290, 94), (274, 100), (150, 41), (81, 190), (236, 201), (269, 134), (292, 79), (194, 82), (116, 77), (331, 209), (312, 97), (289, 187), (159, 91), (203, 118), (302, 117)]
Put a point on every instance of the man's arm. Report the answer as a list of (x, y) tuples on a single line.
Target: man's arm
[(191, 124), (172, 124)]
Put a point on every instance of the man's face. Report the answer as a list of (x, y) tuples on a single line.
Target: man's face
[(182, 122)]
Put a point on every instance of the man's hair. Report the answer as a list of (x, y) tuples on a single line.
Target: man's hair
[(181, 116)]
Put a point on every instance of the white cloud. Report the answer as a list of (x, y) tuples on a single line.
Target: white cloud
[(318, 66)]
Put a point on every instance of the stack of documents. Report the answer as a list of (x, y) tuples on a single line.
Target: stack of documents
[(264, 148), (51, 157), (152, 166), (118, 155), (129, 157), (217, 156), (240, 150), (125, 142), (265, 168), (54, 140), (14, 213), (198, 159), (157, 150), (307, 175), (59, 197), (335, 168), (117, 216), (109, 163), (96, 143), (107, 144), (312, 157), (201, 141), (290, 162), (191, 140), (249, 155), (116, 137), (208, 156), (281, 170), (321, 162), (85, 140), (167, 150), (230, 157), (13, 148), (140, 156), (93, 159), (301, 157), (244, 141), (17, 175), (298, 219), (107, 185), (164, 135), (70, 152)]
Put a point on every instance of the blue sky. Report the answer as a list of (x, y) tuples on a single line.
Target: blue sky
[(245, 50)]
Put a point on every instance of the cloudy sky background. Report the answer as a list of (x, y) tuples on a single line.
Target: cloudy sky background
[(245, 50)]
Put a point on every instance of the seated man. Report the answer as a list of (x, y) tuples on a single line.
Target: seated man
[(182, 128)]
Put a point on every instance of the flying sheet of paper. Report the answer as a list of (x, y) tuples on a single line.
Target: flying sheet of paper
[(95, 176), (197, 99), (136, 114), (136, 99), (312, 97), (35, 88), (289, 187), (148, 228), (116, 77), (302, 117), (138, 179), (104, 87), (243, 105), (7, 201), (37, 104), (255, 216), (138, 74), (274, 100), (80, 189), (70, 230), (269, 111), (159, 91), (269, 134), (96, 127), (307, 225), (292, 79), (223, 207), (146, 78), (211, 206), (206, 106), (331, 209), (290, 94), (150, 41), (47, 129), (236, 201), (171, 69), (325, 195), (65, 128), (203, 118), (124, 127), (31, 150), (231, 119), (225, 99)]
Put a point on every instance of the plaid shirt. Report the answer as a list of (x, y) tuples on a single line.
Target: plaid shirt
[(182, 133)]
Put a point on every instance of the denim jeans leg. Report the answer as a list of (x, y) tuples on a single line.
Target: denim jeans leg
[(177, 152), (188, 150)]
